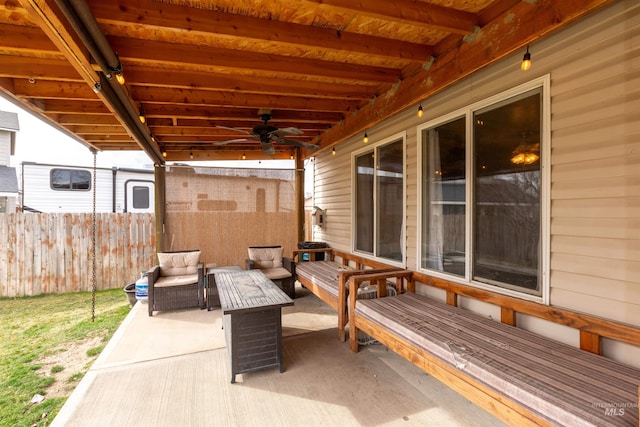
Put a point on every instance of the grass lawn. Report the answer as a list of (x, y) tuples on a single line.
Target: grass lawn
[(47, 344)]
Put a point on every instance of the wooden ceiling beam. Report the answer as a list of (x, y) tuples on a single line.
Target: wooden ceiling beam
[(146, 94), (84, 119), (97, 129), (141, 76), (410, 12), (178, 19), (203, 123), (29, 40), (53, 90), (230, 113), (37, 68), (146, 51), (526, 22), (80, 107)]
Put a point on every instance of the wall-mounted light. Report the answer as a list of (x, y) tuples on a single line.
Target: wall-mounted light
[(526, 61), (420, 110), (333, 151), (318, 217), (366, 138)]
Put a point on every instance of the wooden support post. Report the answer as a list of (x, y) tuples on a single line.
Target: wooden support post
[(508, 316), (452, 298), (590, 342)]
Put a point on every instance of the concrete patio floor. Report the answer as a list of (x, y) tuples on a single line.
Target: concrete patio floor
[(173, 369)]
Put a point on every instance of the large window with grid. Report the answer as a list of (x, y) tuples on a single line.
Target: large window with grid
[(483, 216)]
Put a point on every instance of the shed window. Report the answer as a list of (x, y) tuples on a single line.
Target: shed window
[(482, 213), (70, 179)]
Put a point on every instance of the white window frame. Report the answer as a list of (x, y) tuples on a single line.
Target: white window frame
[(403, 244), (543, 82)]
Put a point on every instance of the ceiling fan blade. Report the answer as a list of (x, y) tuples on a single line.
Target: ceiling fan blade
[(230, 141), (267, 147), (235, 129), (297, 143), (287, 131)]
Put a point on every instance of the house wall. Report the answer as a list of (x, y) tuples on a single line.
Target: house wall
[(5, 147), (594, 67)]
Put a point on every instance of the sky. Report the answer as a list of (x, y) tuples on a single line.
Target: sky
[(39, 142)]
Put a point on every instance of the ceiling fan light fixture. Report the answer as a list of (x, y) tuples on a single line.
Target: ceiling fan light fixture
[(525, 65)]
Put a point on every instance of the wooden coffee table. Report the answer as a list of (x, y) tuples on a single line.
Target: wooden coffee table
[(252, 319)]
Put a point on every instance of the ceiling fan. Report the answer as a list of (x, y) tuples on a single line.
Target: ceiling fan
[(268, 134)]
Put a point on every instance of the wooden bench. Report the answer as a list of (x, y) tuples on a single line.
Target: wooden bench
[(327, 279), (520, 377)]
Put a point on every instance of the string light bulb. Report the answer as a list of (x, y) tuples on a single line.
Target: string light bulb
[(120, 78), (191, 155), (141, 115), (420, 110), (164, 153), (366, 138), (333, 152), (244, 156), (526, 61)]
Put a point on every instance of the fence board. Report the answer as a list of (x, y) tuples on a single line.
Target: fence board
[(52, 253)]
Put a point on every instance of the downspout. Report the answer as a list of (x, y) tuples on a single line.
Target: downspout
[(84, 23), (114, 171)]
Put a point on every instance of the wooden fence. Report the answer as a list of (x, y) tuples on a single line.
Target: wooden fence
[(53, 253)]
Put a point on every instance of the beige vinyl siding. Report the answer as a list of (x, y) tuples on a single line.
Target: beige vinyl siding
[(595, 228), (594, 67)]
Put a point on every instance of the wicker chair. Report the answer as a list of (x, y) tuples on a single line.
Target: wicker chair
[(177, 282), (280, 270)]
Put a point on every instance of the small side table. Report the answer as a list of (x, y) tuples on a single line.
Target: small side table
[(213, 300)]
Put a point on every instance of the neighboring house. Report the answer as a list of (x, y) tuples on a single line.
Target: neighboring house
[(522, 183), (8, 178)]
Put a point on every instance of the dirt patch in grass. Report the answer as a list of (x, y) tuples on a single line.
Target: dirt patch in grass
[(75, 362)]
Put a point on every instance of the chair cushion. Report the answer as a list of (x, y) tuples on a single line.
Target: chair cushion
[(276, 273), (178, 263), (266, 257), (167, 281)]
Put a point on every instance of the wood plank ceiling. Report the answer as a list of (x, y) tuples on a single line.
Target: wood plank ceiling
[(195, 68)]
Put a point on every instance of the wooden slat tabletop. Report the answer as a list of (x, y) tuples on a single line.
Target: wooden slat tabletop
[(248, 290)]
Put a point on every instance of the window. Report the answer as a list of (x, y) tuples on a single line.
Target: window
[(140, 197), (379, 200), (70, 179), (482, 210)]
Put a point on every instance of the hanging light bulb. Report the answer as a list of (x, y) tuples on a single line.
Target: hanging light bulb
[(120, 78), (420, 110), (526, 61), (141, 115), (164, 153), (191, 155), (366, 138), (291, 156), (333, 152), (244, 156)]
